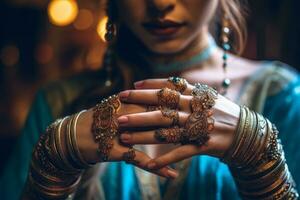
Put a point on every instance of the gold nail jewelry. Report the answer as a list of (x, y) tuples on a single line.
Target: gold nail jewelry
[(129, 156), (180, 84), (169, 135), (171, 114), (203, 97), (168, 98), (105, 125)]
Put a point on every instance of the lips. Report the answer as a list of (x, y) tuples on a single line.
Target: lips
[(163, 27)]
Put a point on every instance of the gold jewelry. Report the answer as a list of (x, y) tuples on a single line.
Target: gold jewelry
[(171, 114), (180, 84), (105, 125), (203, 97), (63, 155), (257, 160), (168, 98), (75, 152), (169, 135), (46, 180), (129, 156), (197, 127)]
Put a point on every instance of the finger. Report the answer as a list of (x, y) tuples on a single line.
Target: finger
[(141, 137), (160, 83), (149, 97), (168, 135), (131, 108), (150, 119), (141, 160), (175, 155)]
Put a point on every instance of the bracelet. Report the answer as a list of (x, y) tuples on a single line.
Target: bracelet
[(80, 160), (105, 125), (256, 160)]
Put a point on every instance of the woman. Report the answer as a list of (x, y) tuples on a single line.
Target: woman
[(158, 39)]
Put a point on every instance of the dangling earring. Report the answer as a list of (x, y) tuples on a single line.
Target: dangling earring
[(109, 37), (225, 34), (110, 31)]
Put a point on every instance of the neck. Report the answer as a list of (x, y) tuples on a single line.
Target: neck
[(195, 46), (134, 53)]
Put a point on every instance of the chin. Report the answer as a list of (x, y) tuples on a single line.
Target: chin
[(166, 47)]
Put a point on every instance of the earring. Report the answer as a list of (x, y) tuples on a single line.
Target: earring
[(225, 34), (109, 37), (110, 31)]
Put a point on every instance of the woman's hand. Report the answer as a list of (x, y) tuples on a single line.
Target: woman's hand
[(89, 148), (225, 116)]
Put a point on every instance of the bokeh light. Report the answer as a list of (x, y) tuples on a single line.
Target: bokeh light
[(94, 57), (44, 53), (101, 28), (10, 55), (62, 12), (84, 19)]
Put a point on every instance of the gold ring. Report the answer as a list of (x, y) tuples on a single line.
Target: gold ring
[(180, 84), (171, 114), (203, 97), (169, 135), (168, 98), (129, 156)]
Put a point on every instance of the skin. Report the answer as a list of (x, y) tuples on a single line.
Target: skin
[(197, 14)]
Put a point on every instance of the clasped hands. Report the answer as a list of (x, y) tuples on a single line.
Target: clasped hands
[(163, 111)]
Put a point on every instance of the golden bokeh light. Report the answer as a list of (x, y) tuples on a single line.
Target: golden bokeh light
[(10, 55), (101, 28), (62, 12), (84, 19)]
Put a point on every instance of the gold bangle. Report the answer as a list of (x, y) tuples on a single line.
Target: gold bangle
[(61, 153), (252, 130), (228, 155), (70, 151), (74, 144)]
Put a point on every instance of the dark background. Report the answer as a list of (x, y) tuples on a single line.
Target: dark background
[(33, 51)]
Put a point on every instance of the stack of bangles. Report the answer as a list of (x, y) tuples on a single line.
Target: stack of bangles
[(57, 164), (256, 160)]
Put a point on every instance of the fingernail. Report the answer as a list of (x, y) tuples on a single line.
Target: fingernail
[(138, 84), (151, 165), (125, 136), (123, 120), (172, 173), (124, 95)]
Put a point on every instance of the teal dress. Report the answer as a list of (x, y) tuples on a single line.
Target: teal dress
[(273, 91)]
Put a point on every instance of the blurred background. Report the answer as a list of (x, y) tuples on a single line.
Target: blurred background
[(42, 41)]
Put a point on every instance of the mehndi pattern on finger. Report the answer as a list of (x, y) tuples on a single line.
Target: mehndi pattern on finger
[(105, 125), (129, 156), (180, 84)]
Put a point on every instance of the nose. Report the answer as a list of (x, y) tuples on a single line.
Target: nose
[(162, 6)]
